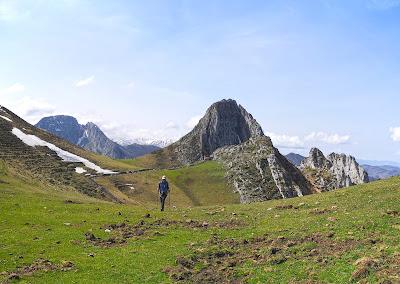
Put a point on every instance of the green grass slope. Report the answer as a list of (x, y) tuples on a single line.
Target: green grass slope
[(51, 236), (161, 159), (197, 185)]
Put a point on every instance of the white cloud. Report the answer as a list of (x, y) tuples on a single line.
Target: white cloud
[(28, 108), (172, 125), (286, 141), (311, 140), (15, 88), (395, 133), (34, 109), (84, 82), (192, 122), (128, 134), (327, 138)]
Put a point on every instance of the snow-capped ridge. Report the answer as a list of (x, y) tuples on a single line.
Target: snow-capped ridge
[(162, 143)]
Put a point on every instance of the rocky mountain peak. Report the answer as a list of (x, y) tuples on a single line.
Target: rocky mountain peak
[(316, 160), (347, 170), (93, 131), (63, 126), (225, 123), (230, 119), (332, 172), (91, 125), (90, 137)]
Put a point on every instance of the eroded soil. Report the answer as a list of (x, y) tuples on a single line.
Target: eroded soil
[(121, 232), (40, 265), (220, 259)]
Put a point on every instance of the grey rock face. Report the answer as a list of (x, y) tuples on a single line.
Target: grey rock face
[(347, 171), (295, 159), (94, 140), (63, 126), (225, 123), (316, 160), (90, 137), (332, 172), (259, 172)]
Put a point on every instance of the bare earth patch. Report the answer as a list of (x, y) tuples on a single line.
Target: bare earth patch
[(121, 232), (40, 265), (218, 261)]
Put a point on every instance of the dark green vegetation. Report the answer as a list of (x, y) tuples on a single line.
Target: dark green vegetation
[(50, 235)]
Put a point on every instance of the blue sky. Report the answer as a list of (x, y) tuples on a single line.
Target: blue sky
[(313, 73)]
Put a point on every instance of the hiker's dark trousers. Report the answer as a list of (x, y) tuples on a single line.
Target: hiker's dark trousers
[(163, 196)]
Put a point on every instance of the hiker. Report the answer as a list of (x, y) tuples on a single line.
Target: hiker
[(163, 190)]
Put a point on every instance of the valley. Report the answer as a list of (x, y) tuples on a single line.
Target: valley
[(238, 211), (199, 142)]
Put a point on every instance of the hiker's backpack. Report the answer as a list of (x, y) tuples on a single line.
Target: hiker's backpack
[(163, 187)]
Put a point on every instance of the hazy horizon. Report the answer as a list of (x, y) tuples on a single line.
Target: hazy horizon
[(316, 73)]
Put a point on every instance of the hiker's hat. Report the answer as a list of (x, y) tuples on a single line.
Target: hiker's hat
[(164, 177)]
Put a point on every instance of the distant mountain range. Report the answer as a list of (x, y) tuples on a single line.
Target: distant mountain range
[(227, 134), (381, 172), (161, 143), (91, 138), (295, 159), (376, 169), (378, 163)]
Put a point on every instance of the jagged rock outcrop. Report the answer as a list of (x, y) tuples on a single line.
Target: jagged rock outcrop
[(259, 172), (91, 137), (316, 160), (332, 172), (347, 171), (225, 123)]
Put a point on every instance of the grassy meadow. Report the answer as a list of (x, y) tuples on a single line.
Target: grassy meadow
[(52, 236)]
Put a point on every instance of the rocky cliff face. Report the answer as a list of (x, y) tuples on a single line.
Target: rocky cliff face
[(332, 172), (63, 126), (259, 172), (225, 123), (347, 171), (90, 137), (94, 140)]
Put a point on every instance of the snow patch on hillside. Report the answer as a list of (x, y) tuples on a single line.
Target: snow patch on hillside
[(6, 118), (32, 140), (80, 170)]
